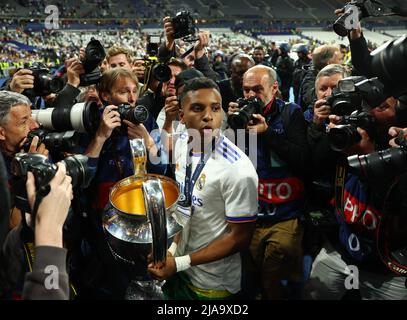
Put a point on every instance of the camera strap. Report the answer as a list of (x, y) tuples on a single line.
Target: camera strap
[(340, 177)]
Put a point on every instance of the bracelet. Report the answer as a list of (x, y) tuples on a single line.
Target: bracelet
[(183, 263), (172, 248)]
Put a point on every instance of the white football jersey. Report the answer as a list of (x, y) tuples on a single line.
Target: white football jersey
[(225, 191)]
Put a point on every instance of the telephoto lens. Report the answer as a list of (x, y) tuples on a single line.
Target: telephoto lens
[(392, 161), (81, 117)]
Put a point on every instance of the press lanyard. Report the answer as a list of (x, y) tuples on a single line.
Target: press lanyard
[(190, 181)]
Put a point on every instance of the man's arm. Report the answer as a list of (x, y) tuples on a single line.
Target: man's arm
[(202, 64), (234, 240), (66, 98)]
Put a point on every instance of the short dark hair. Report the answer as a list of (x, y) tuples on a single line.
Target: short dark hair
[(197, 84), (178, 63), (259, 48)]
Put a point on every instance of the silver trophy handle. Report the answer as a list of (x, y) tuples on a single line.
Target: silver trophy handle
[(156, 214)]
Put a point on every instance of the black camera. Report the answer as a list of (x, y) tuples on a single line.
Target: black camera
[(67, 141), (346, 134), (136, 115), (356, 93), (184, 26), (94, 55), (44, 82), (81, 117), (76, 167), (247, 108), (158, 70)]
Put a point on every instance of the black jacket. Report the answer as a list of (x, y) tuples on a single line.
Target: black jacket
[(293, 147), (228, 93), (285, 69), (307, 89)]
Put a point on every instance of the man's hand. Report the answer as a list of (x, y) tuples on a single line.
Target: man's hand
[(394, 132), (35, 148), (321, 112), (139, 131), (163, 272), (171, 108), (136, 131), (168, 31), (260, 126), (233, 107), (110, 120), (334, 120), (53, 210), (201, 44), (22, 80), (74, 69)]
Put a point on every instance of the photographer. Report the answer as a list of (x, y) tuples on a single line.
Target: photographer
[(15, 124), (118, 86), (282, 159), (101, 276), (326, 81), (321, 57), (359, 206), (154, 101), (48, 239)]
